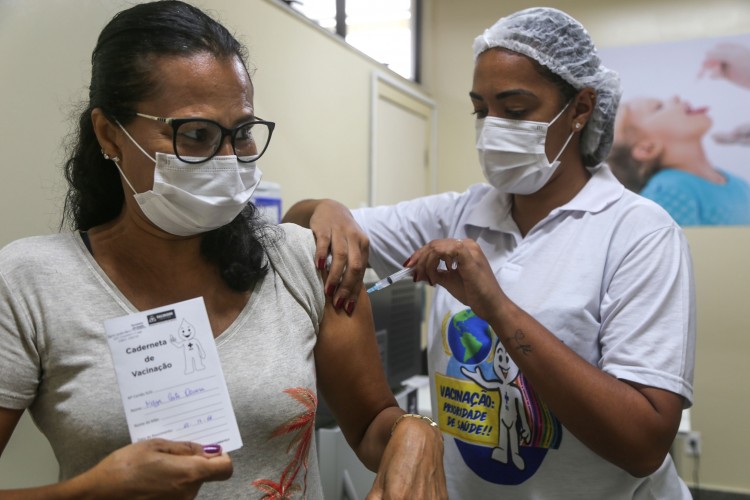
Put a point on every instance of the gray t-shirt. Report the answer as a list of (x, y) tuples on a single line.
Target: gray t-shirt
[(55, 360)]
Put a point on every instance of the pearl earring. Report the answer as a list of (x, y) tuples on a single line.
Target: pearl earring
[(578, 126), (107, 157)]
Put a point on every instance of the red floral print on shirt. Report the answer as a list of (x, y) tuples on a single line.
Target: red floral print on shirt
[(303, 425)]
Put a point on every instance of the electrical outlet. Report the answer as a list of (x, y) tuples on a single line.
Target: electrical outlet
[(692, 443)]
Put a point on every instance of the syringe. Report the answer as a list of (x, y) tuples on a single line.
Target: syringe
[(387, 281)]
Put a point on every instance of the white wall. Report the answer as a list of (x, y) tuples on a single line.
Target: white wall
[(722, 392), (44, 61), (44, 54)]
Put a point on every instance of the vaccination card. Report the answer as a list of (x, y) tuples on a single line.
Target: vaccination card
[(170, 377)]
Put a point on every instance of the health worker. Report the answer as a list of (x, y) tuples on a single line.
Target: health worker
[(562, 334)]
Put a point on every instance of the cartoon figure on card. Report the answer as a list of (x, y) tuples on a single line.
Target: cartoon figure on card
[(191, 347), (514, 423)]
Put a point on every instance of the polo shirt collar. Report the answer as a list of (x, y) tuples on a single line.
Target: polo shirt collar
[(493, 212), (603, 189)]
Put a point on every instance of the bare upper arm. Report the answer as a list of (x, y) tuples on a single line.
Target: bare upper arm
[(8, 421), (350, 372), (668, 408)]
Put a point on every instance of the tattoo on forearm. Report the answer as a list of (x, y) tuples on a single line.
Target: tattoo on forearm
[(519, 342)]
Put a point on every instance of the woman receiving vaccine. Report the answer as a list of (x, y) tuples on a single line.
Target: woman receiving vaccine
[(561, 335), (162, 167)]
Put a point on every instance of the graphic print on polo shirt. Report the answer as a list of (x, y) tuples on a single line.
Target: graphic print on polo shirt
[(501, 428)]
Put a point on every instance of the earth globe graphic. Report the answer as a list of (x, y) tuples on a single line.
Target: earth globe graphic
[(469, 337)]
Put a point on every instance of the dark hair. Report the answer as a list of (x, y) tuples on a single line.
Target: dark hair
[(632, 173), (121, 77), (567, 91)]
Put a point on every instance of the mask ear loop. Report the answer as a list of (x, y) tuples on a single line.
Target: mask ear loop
[(563, 148), (578, 125), (116, 161), (560, 113), (133, 141)]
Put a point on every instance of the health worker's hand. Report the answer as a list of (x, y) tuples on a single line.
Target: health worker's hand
[(412, 464), (336, 233), (460, 266), (738, 135), (157, 469), (730, 61)]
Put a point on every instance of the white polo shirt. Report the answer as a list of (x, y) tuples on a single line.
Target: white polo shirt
[(608, 273)]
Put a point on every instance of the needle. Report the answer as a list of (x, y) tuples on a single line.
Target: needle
[(387, 281)]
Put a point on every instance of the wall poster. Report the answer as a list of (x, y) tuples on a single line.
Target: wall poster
[(682, 136)]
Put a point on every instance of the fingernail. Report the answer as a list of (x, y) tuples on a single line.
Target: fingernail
[(350, 307), (212, 449), (330, 290), (339, 303), (321, 264), (406, 262)]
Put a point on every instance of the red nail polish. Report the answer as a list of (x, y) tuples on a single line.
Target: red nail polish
[(339, 303), (321, 264), (330, 290), (350, 307)]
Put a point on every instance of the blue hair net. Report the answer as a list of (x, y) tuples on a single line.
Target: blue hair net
[(559, 42)]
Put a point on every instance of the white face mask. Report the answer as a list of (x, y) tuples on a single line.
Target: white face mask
[(512, 155), (188, 198)]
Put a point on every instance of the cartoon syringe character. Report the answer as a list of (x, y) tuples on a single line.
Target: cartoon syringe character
[(191, 347), (512, 410)]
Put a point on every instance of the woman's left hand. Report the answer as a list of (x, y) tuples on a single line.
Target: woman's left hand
[(412, 464), (459, 266)]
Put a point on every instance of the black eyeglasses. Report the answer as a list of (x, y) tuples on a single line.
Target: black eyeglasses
[(197, 140)]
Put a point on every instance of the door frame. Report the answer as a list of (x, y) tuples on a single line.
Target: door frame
[(384, 86)]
